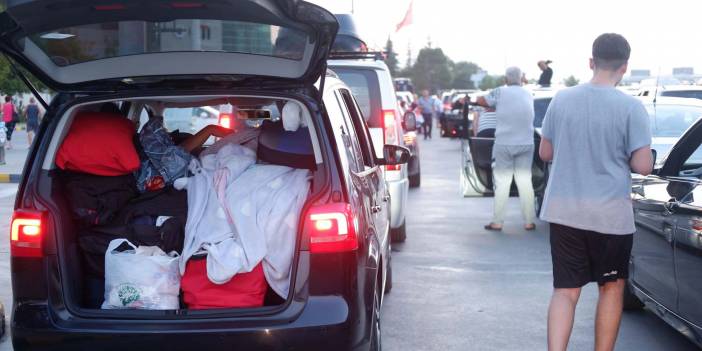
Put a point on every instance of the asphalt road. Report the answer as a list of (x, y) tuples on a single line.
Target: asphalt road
[(456, 286)]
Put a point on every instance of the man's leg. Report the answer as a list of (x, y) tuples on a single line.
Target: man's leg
[(522, 176), (502, 172), (561, 313), (430, 122), (609, 314)]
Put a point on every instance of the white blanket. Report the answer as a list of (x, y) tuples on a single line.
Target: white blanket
[(241, 213)]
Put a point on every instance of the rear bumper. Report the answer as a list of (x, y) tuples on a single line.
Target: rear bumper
[(398, 201), (325, 324)]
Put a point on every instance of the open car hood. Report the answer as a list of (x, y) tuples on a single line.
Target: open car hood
[(79, 45)]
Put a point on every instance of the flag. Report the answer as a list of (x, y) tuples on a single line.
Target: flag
[(407, 20)]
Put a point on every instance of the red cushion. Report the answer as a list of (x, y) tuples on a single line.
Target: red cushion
[(244, 290), (99, 143)]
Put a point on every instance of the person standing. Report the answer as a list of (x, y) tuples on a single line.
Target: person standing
[(596, 136), (513, 152), (427, 105), (546, 73), (32, 115), (8, 116)]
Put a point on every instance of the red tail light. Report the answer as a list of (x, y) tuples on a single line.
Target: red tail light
[(26, 234), (390, 133), (331, 228), (225, 120)]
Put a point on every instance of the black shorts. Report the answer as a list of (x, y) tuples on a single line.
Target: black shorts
[(583, 256)]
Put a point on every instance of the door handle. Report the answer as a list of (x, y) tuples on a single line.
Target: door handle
[(376, 209)]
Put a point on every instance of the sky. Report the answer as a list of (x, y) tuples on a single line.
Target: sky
[(497, 34)]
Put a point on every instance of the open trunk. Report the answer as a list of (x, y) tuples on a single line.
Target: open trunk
[(78, 288)]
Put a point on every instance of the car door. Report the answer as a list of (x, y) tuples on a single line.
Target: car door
[(653, 266)]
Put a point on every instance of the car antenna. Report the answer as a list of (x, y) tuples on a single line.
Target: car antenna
[(655, 94)]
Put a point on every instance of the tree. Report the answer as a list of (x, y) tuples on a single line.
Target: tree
[(431, 70), (391, 58), (571, 81), (491, 82), (461, 72)]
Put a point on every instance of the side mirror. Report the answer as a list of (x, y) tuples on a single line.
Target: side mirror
[(409, 121), (394, 155)]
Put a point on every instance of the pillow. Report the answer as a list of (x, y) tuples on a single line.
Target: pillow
[(99, 143)]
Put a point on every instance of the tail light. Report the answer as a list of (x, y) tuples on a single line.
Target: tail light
[(225, 120), (331, 228), (390, 129), (26, 234)]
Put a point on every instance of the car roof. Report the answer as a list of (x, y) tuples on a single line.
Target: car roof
[(669, 100), (374, 64), (681, 87)]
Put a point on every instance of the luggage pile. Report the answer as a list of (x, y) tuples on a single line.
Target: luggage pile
[(160, 229)]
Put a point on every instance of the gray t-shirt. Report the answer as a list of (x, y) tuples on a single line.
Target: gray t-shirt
[(594, 130), (514, 108)]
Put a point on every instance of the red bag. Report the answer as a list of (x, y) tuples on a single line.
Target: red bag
[(244, 290), (99, 143)]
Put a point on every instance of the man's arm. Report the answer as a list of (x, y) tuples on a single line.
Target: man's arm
[(201, 137), (642, 161), (476, 121), (546, 150)]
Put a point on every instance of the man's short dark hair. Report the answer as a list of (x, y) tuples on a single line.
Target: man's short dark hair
[(8, 98), (610, 51)]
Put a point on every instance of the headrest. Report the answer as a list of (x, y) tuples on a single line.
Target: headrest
[(280, 147)]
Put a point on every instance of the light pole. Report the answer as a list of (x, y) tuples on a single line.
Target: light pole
[(352, 7)]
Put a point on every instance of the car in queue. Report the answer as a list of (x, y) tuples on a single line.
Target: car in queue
[(340, 265), (476, 160), (666, 257), (371, 83), (670, 117)]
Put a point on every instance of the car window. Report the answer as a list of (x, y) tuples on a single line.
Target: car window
[(342, 140), (366, 89), (352, 143), (672, 120), (540, 107), (359, 127), (696, 94)]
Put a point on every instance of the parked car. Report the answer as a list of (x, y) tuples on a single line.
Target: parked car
[(670, 118), (666, 258), (341, 263), (671, 88), (371, 83), (403, 84), (476, 170)]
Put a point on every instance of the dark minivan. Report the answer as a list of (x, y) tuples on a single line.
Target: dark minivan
[(262, 55)]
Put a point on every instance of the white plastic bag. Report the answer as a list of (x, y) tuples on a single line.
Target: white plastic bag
[(143, 278)]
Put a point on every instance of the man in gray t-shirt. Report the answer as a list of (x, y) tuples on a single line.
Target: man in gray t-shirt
[(596, 136), (513, 153)]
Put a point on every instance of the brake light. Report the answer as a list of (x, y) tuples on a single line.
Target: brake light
[(225, 120), (331, 228), (26, 234)]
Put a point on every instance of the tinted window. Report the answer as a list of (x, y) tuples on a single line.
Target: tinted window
[(360, 128), (540, 107), (696, 94), (366, 89), (342, 139), (72, 45), (672, 120)]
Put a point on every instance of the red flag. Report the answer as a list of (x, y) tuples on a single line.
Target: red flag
[(407, 20)]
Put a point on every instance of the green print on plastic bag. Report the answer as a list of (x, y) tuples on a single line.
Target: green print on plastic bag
[(128, 294)]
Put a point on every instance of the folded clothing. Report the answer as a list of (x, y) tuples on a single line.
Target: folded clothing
[(99, 143), (95, 200), (243, 290)]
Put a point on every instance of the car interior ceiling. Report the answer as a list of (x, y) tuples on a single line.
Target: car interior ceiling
[(75, 284)]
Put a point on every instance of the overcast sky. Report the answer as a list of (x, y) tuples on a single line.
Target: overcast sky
[(500, 33)]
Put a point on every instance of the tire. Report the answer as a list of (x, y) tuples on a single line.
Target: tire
[(399, 235), (376, 334), (415, 180), (2, 320), (388, 276), (631, 302)]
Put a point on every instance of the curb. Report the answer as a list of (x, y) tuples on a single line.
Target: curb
[(10, 178)]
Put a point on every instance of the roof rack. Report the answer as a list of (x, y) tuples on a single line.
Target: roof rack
[(357, 55)]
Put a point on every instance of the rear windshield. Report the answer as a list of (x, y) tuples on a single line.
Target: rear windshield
[(540, 107), (672, 120), (73, 45), (696, 94), (366, 89)]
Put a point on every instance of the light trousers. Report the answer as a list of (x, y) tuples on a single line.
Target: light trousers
[(513, 161)]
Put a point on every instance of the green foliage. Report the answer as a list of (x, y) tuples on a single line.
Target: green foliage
[(571, 81), (391, 58), (461, 72), (492, 82), (432, 70)]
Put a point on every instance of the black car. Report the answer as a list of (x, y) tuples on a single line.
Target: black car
[(132, 53), (666, 259)]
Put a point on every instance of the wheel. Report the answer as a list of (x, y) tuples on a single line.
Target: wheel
[(388, 275), (376, 335), (416, 180), (2, 320), (399, 235), (631, 302)]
